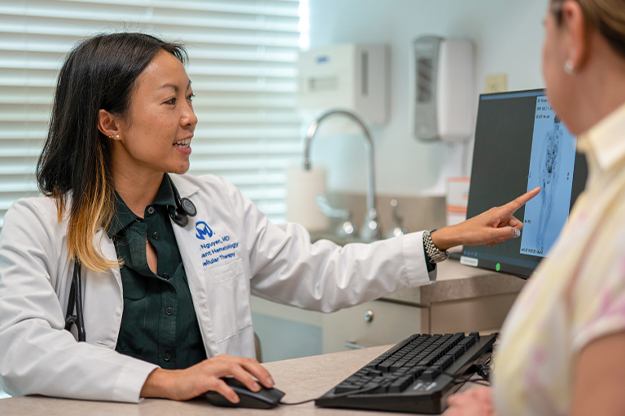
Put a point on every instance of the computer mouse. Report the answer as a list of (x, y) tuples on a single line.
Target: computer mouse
[(263, 399)]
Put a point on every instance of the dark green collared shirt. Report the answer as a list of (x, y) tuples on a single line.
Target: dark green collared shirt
[(159, 324)]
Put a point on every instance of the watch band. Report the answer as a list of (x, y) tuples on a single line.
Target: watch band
[(434, 254)]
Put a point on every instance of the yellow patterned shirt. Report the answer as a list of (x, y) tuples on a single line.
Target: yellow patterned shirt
[(576, 295)]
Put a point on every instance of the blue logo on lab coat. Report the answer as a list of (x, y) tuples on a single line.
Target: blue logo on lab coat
[(203, 230)]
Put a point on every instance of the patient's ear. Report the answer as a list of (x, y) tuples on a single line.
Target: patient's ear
[(576, 26), (108, 124)]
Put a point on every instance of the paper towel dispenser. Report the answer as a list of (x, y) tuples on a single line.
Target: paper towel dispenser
[(351, 77), (442, 89)]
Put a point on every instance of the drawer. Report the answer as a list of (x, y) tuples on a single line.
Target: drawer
[(370, 324)]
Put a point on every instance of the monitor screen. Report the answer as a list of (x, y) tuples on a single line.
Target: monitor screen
[(520, 144)]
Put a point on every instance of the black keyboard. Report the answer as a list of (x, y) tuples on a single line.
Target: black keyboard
[(416, 375)]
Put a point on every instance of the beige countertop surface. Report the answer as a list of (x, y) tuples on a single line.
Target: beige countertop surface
[(456, 281), (301, 379)]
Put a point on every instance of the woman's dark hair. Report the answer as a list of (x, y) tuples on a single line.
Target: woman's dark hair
[(99, 73), (605, 16)]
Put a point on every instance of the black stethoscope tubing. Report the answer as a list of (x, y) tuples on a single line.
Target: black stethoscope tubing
[(74, 316)]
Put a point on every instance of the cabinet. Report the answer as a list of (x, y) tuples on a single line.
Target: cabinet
[(463, 299), (373, 323), (286, 332)]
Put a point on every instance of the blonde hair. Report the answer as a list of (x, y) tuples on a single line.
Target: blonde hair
[(87, 218)]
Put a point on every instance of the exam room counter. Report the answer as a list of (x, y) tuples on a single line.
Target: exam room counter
[(301, 379), (463, 299)]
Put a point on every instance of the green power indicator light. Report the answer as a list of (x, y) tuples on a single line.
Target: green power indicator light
[(498, 267)]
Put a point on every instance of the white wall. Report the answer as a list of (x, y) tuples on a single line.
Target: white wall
[(507, 35)]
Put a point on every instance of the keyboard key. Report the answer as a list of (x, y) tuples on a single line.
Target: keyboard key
[(395, 387), (467, 342), (382, 388), (417, 371), (344, 388), (400, 384), (396, 366), (370, 386), (446, 361), (430, 374), (385, 365), (352, 379)]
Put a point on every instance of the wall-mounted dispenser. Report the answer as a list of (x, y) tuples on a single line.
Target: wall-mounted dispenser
[(442, 89), (351, 77)]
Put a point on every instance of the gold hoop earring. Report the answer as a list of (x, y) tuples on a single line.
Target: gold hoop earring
[(569, 68)]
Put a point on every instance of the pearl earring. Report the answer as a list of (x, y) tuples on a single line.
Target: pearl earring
[(568, 67), (117, 136)]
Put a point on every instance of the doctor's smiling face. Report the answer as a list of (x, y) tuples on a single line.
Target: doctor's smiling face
[(155, 134)]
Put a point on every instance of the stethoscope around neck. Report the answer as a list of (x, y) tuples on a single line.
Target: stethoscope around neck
[(184, 209), (74, 315)]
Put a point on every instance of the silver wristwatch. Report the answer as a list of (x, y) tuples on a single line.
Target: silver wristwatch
[(434, 254)]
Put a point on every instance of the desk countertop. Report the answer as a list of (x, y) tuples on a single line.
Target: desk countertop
[(300, 379), (457, 282)]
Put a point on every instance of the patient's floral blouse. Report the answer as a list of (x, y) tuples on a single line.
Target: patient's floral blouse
[(576, 295)]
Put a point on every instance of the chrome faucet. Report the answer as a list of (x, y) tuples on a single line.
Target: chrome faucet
[(370, 230)]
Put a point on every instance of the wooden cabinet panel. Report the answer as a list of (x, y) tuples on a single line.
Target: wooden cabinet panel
[(485, 313)]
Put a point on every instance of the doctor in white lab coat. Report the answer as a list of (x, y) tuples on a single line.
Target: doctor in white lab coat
[(229, 249)]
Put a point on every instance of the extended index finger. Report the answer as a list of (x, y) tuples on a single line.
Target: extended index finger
[(514, 205)]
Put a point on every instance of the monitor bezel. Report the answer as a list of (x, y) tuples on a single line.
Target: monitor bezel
[(489, 264)]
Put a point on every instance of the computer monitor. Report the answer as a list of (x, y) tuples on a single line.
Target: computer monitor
[(520, 144)]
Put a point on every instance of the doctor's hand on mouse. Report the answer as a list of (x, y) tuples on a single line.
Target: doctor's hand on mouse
[(206, 376), (491, 227)]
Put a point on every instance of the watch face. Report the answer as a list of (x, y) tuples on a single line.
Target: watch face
[(438, 257)]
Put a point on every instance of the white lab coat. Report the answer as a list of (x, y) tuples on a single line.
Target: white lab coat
[(229, 250)]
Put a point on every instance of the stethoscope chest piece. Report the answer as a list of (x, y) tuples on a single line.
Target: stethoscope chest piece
[(184, 209), (188, 207)]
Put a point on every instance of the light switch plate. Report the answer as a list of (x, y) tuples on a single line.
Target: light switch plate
[(496, 83)]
